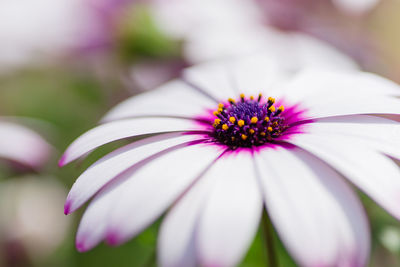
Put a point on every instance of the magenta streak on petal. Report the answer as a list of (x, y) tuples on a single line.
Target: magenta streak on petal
[(113, 239)]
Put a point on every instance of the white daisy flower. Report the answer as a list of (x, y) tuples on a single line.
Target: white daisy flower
[(231, 138)]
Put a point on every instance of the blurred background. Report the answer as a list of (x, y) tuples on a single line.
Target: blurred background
[(64, 63)]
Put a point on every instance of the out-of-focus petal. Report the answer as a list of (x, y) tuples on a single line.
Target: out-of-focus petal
[(317, 215), (20, 144), (290, 51), (356, 6)]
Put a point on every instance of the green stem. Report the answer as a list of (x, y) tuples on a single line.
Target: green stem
[(268, 231)]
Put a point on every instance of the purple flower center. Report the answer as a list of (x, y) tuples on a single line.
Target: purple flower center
[(248, 122)]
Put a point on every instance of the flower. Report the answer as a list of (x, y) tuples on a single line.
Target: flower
[(29, 221), (22, 145), (211, 152), (36, 31), (215, 29)]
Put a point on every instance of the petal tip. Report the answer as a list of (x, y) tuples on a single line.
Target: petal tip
[(67, 207), (62, 161), (80, 246)]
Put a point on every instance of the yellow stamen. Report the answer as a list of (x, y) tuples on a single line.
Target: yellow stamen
[(216, 113), (251, 131), (281, 108), (242, 97), (225, 127), (271, 100), (244, 137), (269, 129), (217, 121), (220, 110), (266, 119), (271, 108), (254, 120), (240, 123), (232, 119), (231, 100), (259, 97), (251, 97), (220, 105), (262, 133)]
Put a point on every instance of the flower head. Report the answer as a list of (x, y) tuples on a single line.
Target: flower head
[(218, 162)]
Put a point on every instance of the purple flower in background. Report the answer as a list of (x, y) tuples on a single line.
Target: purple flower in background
[(230, 138), (21, 145), (37, 31), (341, 23)]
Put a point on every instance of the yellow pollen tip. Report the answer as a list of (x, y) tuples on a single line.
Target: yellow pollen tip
[(232, 119), (281, 108), (266, 119), (216, 113), (241, 95), (225, 127), (251, 131), (220, 105), (269, 129), (240, 123), (262, 133), (220, 110), (244, 137), (217, 121), (271, 108), (251, 97), (254, 120), (231, 100), (271, 100)]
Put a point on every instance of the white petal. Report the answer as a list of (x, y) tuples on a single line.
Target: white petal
[(116, 130), (372, 172), (231, 213), (22, 145), (324, 94), (137, 197), (356, 6), (150, 190), (175, 99), (376, 132), (317, 215), (108, 167), (229, 78), (176, 241), (313, 82)]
